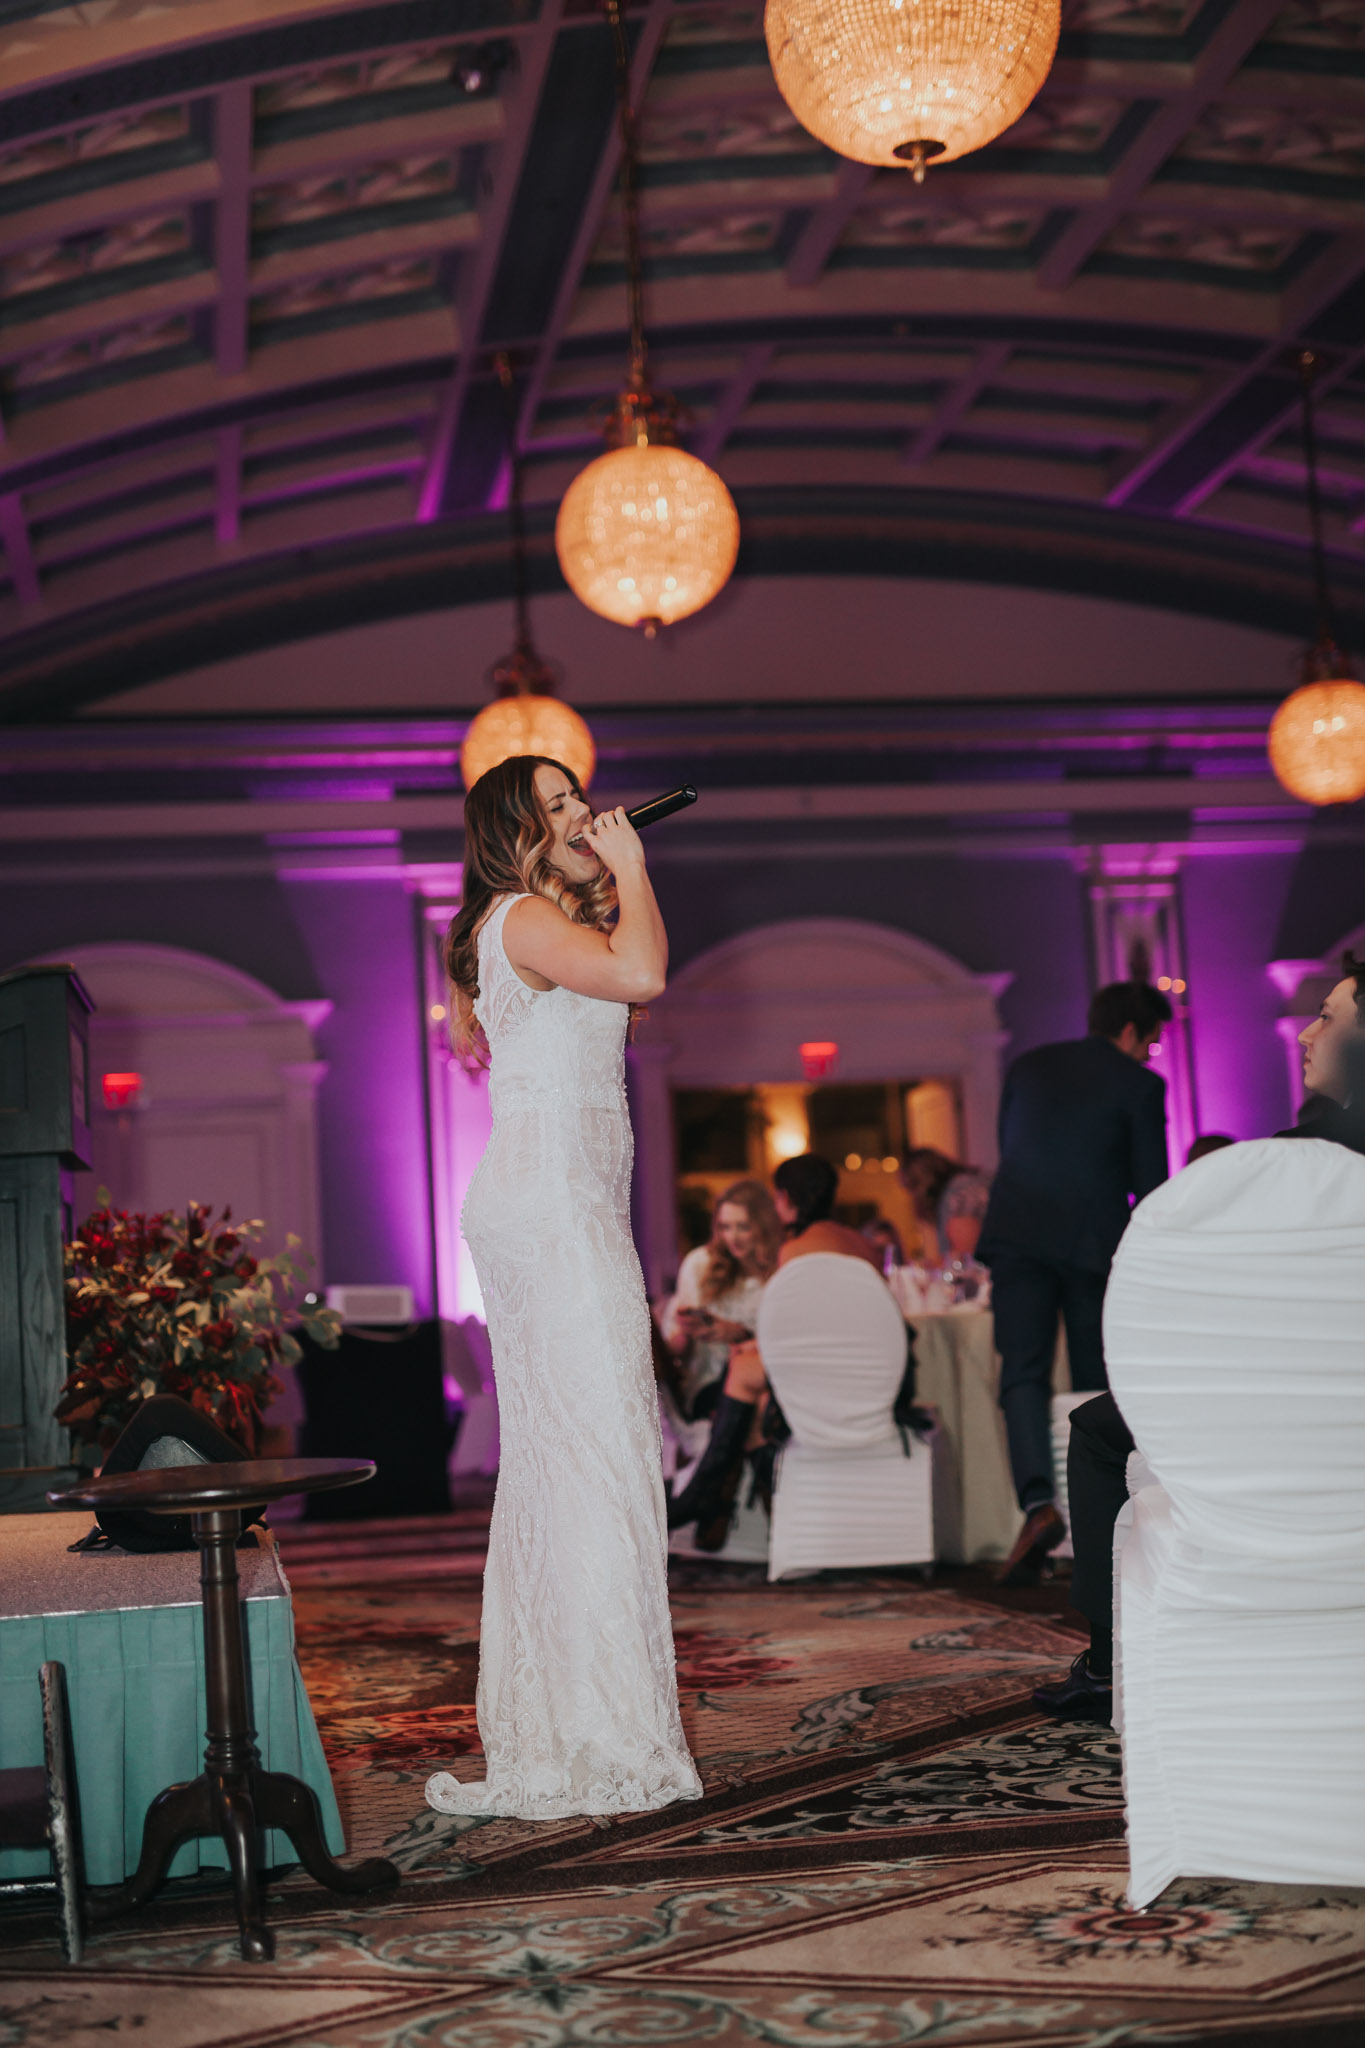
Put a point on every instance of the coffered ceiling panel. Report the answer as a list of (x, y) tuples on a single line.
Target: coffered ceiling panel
[(256, 259)]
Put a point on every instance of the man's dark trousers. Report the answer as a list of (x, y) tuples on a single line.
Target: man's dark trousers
[(1097, 1487), (1027, 1296), (1082, 1136)]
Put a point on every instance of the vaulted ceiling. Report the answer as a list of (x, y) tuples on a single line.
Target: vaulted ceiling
[(256, 257)]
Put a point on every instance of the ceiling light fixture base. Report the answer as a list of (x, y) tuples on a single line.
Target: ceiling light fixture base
[(915, 155)]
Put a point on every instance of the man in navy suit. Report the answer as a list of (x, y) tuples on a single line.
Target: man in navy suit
[(1082, 1137)]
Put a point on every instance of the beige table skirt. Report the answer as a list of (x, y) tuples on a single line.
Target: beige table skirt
[(957, 1371)]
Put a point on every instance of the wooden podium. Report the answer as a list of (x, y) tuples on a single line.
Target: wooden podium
[(44, 1137)]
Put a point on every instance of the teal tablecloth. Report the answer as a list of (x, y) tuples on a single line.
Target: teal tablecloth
[(129, 1631)]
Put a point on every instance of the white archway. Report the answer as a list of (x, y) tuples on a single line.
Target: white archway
[(739, 1013), (227, 1109)]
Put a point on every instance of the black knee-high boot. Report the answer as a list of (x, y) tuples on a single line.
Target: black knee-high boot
[(720, 1461)]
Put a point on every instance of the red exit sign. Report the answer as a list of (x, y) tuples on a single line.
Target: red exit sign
[(819, 1058)]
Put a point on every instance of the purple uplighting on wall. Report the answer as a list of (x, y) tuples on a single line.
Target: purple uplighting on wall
[(461, 1119), (1231, 910), (371, 1111)]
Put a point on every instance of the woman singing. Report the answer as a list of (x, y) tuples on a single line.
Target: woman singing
[(577, 1696)]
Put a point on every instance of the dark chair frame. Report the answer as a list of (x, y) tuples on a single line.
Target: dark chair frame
[(39, 1809)]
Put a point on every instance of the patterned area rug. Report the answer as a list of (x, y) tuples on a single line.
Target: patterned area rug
[(891, 1848)]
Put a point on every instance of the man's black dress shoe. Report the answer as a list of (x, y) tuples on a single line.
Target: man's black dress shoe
[(1080, 1696)]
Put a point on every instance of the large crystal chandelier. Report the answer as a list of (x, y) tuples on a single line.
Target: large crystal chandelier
[(525, 717), (906, 81), (1317, 737), (646, 534)]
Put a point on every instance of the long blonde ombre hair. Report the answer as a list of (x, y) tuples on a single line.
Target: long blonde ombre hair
[(507, 848), (723, 1270)]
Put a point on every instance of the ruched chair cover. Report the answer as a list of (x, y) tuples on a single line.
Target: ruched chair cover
[(850, 1489), (1234, 1331)]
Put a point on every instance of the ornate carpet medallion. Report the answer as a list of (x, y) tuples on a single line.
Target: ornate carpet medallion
[(893, 1849)]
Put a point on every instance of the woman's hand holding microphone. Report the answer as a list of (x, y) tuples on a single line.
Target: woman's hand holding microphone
[(616, 842)]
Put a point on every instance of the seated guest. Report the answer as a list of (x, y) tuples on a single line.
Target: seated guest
[(1097, 1461), (719, 1284), (804, 1191), (803, 1196), (949, 1200)]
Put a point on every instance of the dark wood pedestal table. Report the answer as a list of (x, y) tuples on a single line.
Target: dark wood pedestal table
[(233, 1796)]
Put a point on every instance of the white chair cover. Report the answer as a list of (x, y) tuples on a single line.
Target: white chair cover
[(1234, 1331), (468, 1360), (833, 1344)]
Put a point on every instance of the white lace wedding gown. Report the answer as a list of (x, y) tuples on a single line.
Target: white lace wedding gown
[(577, 1695)]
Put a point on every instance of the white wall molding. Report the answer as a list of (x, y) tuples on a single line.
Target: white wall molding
[(228, 1111)]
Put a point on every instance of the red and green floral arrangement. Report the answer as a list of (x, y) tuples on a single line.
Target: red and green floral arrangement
[(181, 1305)]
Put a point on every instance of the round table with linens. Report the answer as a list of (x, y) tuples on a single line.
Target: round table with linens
[(957, 1372)]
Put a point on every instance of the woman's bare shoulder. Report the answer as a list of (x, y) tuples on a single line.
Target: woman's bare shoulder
[(529, 922)]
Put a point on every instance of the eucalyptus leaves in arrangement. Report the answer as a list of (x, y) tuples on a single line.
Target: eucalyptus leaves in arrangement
[(182, 1305)]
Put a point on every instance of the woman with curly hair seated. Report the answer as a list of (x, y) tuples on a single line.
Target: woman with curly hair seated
[(804, 1191), (719, 1284)]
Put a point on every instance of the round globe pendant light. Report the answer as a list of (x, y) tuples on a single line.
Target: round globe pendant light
[(646, 534), (1316, 741), (909, 81), (525, 717)]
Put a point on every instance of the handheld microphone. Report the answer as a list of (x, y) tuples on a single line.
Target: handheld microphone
[(662, 807)]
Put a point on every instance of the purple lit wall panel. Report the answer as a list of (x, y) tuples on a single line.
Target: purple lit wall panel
[(245, 920), (1326, 897), (371, 1112), (1231, 909), (1025, 917)]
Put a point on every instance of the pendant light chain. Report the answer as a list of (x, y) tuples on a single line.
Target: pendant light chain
[(630, 194), (647, 534), (525, 716)]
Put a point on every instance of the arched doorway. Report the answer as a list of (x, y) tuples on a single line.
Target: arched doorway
[(204, 1086), (896, 1009)]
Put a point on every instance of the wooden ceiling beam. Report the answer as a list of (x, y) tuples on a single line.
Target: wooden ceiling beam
[(227, 524), (1243, 410), (232, 122), (649, 40), (958, 402), (338, 149), (476, 279), (14, 537), (1222, 56), (79, 432), (709, 444), (821, 234)]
